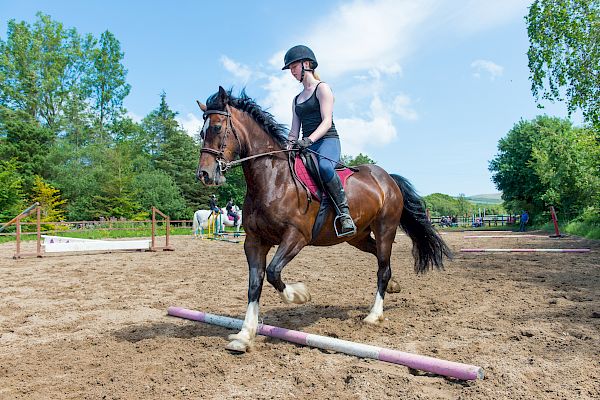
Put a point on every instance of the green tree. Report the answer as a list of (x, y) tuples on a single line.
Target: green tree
[(174, 152), (564, 55), (441, 204), (23, 139), (106, 79), (462, 204), (548, 162), (156, 188), (568, 164), (11, 195), (49, 199), (512, 169), (358, 160), (40, 67)]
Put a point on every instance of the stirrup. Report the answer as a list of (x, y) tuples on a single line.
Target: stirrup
[(343, 234)]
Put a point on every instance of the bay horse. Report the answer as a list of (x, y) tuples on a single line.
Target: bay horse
[(277, 211)]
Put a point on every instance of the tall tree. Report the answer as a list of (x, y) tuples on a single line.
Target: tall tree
[(23, 139), (11, 195), (174, 152), (564, 54), (39, 67), (106, 79), (548, 162)]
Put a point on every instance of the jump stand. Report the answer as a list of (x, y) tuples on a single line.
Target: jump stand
[(167, 246), (423, 363)]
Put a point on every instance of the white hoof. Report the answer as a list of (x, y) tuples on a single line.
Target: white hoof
[(239, 344), (296, 293), (373, 319)]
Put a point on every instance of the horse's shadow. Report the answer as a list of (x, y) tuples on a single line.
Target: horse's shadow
[(295, 319)]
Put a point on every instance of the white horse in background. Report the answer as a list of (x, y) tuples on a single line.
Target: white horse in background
[(202, 219), (229, 222)]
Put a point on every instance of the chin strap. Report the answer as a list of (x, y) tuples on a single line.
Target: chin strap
[(304, 69)]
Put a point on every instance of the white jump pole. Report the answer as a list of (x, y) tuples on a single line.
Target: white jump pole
[(423, 363), (525, 250)]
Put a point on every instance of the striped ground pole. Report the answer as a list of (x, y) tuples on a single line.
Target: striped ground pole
[(504, 236), (423, 363), (525, 250)]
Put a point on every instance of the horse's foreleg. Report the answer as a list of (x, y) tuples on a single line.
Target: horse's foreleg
[(256, 254), (287, 250)]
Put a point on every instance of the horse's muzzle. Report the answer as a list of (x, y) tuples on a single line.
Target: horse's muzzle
[(209, 179)]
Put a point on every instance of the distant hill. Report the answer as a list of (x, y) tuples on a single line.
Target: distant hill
[(493, 198)]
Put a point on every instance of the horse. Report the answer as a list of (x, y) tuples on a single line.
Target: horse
[(229, 222), (201, 220), (278, 211)]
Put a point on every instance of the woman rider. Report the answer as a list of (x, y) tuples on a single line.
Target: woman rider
[(312, 109)]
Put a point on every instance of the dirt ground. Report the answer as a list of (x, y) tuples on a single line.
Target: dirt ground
[(94, 326)]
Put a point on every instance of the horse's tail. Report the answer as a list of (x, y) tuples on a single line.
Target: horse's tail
[(428, 247)]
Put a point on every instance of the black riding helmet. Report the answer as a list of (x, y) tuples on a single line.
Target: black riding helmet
[(299, 53)]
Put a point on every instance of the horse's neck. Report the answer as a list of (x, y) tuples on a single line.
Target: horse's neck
[(261, 172)]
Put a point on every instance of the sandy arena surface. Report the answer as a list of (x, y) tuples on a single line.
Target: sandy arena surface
[(94, 326)]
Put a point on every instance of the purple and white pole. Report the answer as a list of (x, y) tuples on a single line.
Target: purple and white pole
[(423, 363), (525, 250)]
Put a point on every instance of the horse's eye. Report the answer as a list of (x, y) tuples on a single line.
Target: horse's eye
[(217, 128)]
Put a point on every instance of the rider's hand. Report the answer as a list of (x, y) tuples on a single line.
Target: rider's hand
[(304, 143)]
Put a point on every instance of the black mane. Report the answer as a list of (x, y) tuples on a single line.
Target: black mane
[(245, 103)]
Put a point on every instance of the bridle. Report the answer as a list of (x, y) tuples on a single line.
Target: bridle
[(219, 154)]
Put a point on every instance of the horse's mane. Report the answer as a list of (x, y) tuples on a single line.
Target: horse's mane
[(263, 118)]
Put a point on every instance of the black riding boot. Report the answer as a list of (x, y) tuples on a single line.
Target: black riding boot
[(338, 195)]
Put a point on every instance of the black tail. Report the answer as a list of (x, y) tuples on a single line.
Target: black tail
[(428, 247)]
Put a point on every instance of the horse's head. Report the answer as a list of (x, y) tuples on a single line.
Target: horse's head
[(220, 144)]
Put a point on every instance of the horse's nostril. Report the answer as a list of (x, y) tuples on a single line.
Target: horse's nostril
[(202, 176)]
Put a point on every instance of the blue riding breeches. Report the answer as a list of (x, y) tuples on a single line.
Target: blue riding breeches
[(329, 148)]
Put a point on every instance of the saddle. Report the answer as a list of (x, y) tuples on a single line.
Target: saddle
[(307, 170)]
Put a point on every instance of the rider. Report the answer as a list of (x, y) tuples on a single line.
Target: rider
[(213, 204), (312, 109), (231, 212)]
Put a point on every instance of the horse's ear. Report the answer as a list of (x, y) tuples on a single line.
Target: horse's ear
[(223, 96), (201, 105)]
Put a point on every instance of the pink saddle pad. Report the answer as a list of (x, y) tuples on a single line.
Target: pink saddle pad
[(305, 177)]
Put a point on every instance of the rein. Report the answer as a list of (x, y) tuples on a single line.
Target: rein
[(225, 165)]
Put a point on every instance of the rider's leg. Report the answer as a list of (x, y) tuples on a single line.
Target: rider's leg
[(329, 149)]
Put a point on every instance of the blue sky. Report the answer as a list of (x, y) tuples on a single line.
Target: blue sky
[(425, 88)]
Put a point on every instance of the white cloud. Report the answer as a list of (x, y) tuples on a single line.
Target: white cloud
[(402, 106), (238, 70), (357, 133), (368, 35), (490, 67), (134, 117), (190, 123), (281, 89)]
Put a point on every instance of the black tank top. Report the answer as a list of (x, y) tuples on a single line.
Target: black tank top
[(309, 112)]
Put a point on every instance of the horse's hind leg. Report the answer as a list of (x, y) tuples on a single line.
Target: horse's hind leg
[(382, 249)]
